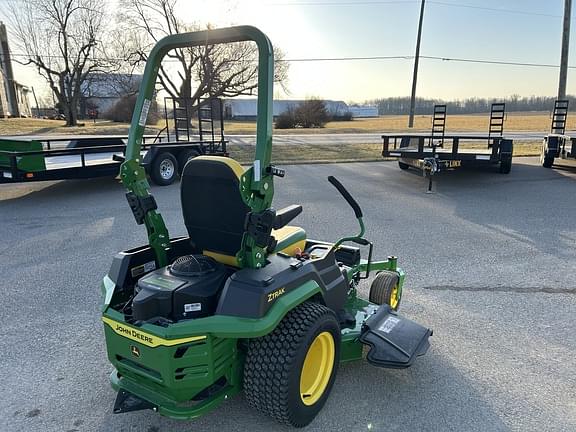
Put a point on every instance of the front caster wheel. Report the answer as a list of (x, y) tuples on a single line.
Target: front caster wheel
[(385, 289), (289, 373)]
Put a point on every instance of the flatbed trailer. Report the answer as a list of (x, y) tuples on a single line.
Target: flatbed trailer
[(25, 159), (558, 144), (436, 152), (78, 157), (423, 151)]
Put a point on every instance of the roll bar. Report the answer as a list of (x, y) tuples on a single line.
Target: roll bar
[(257, 188)]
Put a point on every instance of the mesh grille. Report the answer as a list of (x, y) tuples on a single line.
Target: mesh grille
[(193, 265)]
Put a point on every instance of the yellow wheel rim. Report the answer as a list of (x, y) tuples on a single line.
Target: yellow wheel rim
[(317, 368), (394, 297)]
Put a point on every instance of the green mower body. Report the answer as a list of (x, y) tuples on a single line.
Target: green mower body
[(245, 302)]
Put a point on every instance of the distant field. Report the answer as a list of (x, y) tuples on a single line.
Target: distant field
[(57, 127), (536, 122)]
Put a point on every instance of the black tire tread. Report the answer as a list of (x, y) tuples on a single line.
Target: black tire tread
[(155, 166), (505, 167), (185, 156), (270, 358), (382, 286), (548, 162)]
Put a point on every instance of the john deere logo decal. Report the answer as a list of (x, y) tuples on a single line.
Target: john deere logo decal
[(135, 351)]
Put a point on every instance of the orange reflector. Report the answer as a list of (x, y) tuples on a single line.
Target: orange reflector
[(29, 175)]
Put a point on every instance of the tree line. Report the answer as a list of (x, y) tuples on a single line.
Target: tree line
[(401, 105)]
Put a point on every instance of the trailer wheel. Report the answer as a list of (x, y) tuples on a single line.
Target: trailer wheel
[(403, 166), (547, 161), (288, 373), (385, 289), (184, 157), (164, 169), (505, 167)]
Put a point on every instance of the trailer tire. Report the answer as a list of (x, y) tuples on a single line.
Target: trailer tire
[(184, 157), (547, 161), (385, 289), (505, 167), (288, 373), (164, 169), (403, 166)]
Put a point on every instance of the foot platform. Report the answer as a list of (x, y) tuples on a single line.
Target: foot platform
[(394, 341)]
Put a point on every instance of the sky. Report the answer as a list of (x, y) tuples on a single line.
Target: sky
[(521, 31)]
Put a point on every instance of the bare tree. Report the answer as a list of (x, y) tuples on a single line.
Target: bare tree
[(62, 39), (224, 70)]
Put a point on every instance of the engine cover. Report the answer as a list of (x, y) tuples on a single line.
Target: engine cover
[(189, 288)]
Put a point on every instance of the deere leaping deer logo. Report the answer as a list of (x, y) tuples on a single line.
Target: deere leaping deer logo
[(135, 351)]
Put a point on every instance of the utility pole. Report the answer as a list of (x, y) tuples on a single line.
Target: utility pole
[(565, 49), (415, 75)]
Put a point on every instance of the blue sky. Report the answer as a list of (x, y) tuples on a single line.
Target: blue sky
[(348, 28)]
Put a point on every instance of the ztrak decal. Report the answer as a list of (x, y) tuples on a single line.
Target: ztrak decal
[(146, 338), (275, 294)]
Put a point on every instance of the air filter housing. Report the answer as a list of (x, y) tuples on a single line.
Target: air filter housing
[(189, 288)]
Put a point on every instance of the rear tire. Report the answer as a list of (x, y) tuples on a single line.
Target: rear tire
[(385, 289), (403, 166), (288, 373), (184, 157), (164, 169), (547, 161), (505, 167)]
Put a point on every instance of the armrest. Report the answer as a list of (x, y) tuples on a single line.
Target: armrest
[(286, 215)]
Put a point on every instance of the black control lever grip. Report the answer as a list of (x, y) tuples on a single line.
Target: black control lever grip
[(346, 195)]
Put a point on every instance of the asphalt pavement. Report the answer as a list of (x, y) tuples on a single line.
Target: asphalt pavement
[(491, 264)]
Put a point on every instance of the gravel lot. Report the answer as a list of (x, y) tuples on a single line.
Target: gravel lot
[(491, 263)]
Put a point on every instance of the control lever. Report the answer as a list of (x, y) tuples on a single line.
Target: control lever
[(346, 195)]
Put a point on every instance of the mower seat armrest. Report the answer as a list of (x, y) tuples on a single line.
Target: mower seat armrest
[(286, 215)]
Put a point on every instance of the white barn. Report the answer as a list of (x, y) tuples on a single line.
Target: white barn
[(247, 109), (363, 111)]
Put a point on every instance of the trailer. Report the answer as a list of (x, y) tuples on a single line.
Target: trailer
[(435, 152), (557, 144), (80, 157)]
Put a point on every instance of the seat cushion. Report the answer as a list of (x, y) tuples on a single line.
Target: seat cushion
[(291, 240), (212, 206)]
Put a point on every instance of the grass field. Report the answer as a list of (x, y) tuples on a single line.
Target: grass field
[(536, 122)]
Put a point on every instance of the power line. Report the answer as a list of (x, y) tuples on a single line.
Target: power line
[(365, 58), (328, 59), (386, 2), (495, 62), (513, 11)]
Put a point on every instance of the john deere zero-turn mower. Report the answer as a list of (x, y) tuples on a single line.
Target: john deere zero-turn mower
[(245, 302)]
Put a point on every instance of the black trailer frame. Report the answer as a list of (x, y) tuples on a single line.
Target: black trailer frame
[(432, 159), (558, 145), (112, 168), (171, 151)]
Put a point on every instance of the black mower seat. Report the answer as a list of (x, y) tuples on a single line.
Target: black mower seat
[(214, 212)]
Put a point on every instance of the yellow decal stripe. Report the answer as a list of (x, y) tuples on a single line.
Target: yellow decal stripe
[(146, 338)]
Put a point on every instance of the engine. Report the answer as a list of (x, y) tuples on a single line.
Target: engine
[(189, 288)]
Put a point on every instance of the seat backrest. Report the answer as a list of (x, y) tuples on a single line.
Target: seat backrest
[(213, 209)]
